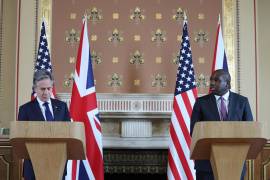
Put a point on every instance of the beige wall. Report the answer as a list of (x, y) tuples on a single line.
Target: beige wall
[(8, 61), (263, 37), (246, 57), (27, 50)]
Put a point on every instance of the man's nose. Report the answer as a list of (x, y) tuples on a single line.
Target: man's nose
[(46, 91)]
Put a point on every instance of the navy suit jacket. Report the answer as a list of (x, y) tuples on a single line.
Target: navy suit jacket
[(32, 112), (205, 109)]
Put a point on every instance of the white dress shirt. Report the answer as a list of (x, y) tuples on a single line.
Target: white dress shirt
[(43, 108)]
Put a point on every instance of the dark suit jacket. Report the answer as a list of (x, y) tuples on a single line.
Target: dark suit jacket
[(205, 109), (32, 112)]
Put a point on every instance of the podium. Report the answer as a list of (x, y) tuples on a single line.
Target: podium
[(48, 145), (227, 144)]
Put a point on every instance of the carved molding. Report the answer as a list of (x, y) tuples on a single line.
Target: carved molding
[(131, 105), (136, 128), (135, 161)]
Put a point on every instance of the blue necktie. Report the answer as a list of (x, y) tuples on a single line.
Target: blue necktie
[(223, 110), (48, 114)]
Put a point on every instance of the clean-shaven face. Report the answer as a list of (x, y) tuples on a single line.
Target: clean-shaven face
[(218, 83), (44, 89)]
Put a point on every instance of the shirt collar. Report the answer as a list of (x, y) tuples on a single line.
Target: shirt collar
[(225, 96), (41, 102)]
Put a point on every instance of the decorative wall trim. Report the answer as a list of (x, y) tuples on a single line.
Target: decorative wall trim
[(135, 161), (6, 164), (131, 105), (1, 54), (37, 30), (238, 45), (136, 143), (230, 38), (136, 128)]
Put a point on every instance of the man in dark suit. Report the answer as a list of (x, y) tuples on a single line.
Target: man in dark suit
[(42, 108), (220, 104)]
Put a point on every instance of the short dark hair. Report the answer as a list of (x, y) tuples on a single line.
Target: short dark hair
[(40, 75)]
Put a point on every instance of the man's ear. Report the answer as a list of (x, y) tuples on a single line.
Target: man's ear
[(228, 84)]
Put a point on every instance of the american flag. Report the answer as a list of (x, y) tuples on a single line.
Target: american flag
[(43, 56), (220, 59), (83, 108), (180, 166)]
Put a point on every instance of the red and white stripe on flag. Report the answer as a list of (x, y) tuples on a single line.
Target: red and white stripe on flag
[(83, 108), (180, 166)]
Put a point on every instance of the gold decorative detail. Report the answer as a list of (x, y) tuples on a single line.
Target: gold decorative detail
[(159, 81), (115, 80), (230, 37), (96, 57), (178, 14), (158, 16), (46, 14), (115, 37), (137, 82), (201, 16), (158, 60), (137, 15), (68, 80), (202, 81), (265, 169), (201, 37), (94, 37), (201, 60), (72, 60), (115, 60), (137, 37), (159, 36), (73, 16), (72, 36), (136, 58), (179, 38), (94, 15), (115, 15), (176, 58)]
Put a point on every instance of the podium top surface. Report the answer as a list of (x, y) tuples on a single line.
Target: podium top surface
[(212, 132), (72, 133)]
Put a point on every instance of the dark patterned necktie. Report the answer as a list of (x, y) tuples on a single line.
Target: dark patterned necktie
[(48, 114), (223, 110)]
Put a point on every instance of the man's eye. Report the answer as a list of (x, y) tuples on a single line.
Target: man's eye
[(43, 89)]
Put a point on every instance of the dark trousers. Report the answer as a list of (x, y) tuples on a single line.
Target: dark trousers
[(28, 172), (204, 175)]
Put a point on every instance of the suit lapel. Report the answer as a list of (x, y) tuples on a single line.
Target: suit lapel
[(230, 106), (214, 107), (55, 109), (38, 110)]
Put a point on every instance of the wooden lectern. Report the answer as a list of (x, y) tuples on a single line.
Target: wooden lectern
[(227, 145), (48, 145)]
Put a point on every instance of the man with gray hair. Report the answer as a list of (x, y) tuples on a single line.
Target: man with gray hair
[(42, 108)]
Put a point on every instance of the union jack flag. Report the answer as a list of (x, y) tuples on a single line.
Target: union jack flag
[(83, 108), (220, 59), (43, 61), (180, 166)]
